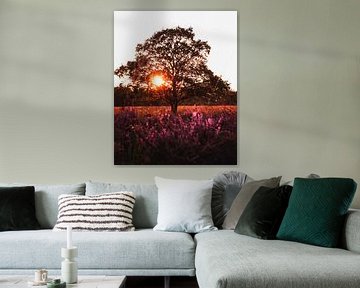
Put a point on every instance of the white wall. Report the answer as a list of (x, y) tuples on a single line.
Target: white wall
[(299, 75)]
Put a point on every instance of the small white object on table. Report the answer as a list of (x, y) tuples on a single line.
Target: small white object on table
[(69, 270)]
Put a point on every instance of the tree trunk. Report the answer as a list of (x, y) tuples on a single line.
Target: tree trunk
[(174, 107), (174, 99)]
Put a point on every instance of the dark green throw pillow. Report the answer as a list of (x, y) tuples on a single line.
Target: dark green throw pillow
[(264, 213), (316, 211), (17, 208)]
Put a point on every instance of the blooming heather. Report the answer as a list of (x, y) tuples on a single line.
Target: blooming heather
[(196, 135)]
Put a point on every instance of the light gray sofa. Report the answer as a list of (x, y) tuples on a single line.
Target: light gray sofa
[(219, 259), (143, 252)]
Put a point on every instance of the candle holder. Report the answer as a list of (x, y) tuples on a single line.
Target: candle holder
[(69, 271)]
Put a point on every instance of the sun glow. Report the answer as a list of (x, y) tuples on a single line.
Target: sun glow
[(157, 81)]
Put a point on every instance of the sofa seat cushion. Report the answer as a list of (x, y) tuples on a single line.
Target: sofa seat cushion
[(226, 259), (142, 249)]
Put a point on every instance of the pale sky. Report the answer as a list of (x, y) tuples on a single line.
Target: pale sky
[(218, 28)]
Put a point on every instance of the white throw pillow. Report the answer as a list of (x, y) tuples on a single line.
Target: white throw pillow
[(104, 212), (184, 205)]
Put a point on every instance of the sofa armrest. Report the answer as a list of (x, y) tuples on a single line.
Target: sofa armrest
[(351, 232)]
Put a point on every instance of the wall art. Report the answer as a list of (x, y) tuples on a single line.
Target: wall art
[(175, 87)]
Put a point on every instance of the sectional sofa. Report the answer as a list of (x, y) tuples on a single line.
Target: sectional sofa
[(219, 259)]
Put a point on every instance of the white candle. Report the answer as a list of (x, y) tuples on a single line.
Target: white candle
[(69, 237)]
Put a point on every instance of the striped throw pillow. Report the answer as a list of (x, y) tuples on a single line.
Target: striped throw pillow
[(105, 212)]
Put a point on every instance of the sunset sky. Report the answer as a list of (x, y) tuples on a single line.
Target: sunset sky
[(219, 28)]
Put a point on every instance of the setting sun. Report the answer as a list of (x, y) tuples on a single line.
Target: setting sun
[(157, 80)]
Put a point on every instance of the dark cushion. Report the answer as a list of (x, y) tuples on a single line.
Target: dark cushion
[(263, 214), (225, 189), (17, 208), (243, 198), (316, 211)]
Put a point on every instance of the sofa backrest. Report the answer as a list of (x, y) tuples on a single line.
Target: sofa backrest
[(146, 203)]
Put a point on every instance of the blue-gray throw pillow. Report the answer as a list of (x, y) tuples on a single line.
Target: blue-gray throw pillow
[(316, 211), (225, 189), (263, 214), (17, 208)]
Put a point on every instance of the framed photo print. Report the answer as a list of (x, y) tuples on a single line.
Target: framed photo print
[(175, 88)]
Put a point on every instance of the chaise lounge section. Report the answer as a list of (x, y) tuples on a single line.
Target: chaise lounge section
[(225, 259)]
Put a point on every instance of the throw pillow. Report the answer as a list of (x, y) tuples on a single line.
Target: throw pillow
[(105, 212), (226, 187), (263, 215), (184, 205), (243, 198), (316, 211), (17, 209)]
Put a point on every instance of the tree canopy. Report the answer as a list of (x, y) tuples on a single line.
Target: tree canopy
[(172, 65)]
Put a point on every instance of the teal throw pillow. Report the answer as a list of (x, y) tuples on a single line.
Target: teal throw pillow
[(316, 211)]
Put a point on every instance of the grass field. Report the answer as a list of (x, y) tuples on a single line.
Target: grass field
[(200, 135)]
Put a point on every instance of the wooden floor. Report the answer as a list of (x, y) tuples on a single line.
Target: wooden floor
[(158, 282)]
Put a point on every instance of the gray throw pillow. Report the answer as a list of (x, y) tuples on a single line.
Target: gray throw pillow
[(243, 198), (226, 187), (184, 205), (46, 200)]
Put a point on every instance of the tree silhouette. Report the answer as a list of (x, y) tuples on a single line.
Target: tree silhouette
[(172, 65)]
